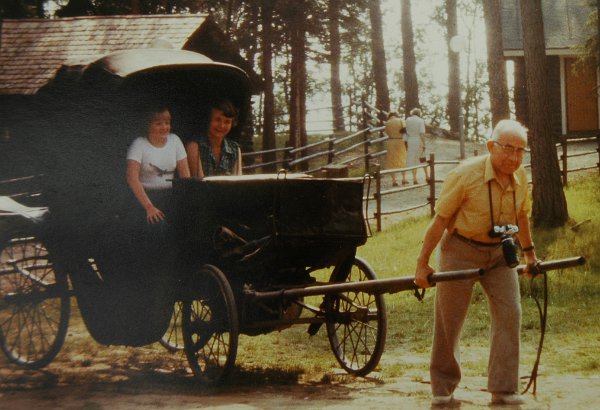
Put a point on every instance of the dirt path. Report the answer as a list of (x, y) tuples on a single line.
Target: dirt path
[(112, 380), (339, 392)]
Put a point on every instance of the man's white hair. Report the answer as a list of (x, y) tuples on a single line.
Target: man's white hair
[(510, 127), (416, 111)]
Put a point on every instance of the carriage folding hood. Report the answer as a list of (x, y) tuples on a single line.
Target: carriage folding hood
[(88, 117)]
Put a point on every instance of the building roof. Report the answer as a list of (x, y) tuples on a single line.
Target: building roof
[(565, 25), (33, 50)]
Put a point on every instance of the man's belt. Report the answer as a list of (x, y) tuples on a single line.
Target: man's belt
[(474, 242)]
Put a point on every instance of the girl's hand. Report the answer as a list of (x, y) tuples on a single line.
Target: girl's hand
[(154, 215)]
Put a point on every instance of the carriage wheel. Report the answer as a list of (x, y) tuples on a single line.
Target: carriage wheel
[(210, 326), (356, 324), (172, 340), (34, 304)]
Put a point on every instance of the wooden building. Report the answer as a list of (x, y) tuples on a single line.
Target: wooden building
[(572, 87), (33, 51)]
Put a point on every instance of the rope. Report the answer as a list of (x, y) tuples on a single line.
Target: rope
[(419, 293), (543, 313)]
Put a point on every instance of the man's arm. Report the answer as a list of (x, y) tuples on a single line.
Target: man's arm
[(434, 233), (524, 236)]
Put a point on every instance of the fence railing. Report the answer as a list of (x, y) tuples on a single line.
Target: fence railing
[(364, 145), (432, 164), (360, 147), (564, 143)]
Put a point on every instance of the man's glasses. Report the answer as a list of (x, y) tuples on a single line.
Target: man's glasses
[(508, 149)]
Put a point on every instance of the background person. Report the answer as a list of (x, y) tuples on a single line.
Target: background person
[(152, 161), (415, 132), (212, 153), (395, 128), (480, 193)]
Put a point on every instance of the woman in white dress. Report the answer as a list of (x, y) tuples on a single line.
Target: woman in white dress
[(415, 138)]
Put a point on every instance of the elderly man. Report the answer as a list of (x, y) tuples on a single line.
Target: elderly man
[(481, 199)]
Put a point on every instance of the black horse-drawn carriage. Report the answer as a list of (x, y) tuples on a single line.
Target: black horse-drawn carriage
[(239, 257), (229, 237)]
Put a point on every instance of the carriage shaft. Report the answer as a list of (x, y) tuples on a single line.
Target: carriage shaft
[(376, 286), (556, 264), (393, 285)]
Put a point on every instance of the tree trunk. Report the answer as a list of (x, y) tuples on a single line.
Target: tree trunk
[(520, 91), (228, 18), (454, 108), (334, 61), (298, 76), (40, 8), (247, 131), (409, 62), (495, 61), (549, 204), (598, 33), (382, 101), (268, 141)]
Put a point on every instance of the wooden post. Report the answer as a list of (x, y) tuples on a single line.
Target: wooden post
[(378, 197), (366, 150), (331, 155), (598, 150), (287, 158), (565, 169), (335, 171), (432, 183)]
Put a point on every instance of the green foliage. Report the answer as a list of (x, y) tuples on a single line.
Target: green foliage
[(589, 49), (16, 9)]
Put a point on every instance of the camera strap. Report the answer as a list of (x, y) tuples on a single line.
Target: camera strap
[(492, 204)]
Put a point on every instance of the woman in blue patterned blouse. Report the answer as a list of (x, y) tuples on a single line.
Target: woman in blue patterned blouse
[(213, 153)]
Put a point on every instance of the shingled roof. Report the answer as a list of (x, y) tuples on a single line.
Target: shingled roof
[(565, 25), (32, 50)]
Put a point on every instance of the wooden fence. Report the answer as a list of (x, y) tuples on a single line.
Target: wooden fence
[(357, 150), (429, 200)]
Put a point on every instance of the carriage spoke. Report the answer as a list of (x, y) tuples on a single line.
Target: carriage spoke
[(35, 304), (210, 327), (356, 327)]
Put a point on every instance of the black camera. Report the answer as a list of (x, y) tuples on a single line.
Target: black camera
[(509, 248)]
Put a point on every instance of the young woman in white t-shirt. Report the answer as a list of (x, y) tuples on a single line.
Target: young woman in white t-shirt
[(152, 161)]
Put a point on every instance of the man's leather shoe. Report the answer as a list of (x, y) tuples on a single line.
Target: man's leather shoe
[(507, 398), (441, 400)]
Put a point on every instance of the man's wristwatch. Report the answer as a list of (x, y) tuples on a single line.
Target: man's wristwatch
[(529, 248)]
